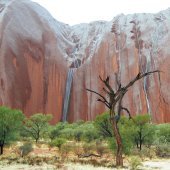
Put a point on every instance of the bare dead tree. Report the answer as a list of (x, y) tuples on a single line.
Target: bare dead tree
[(114, 103)]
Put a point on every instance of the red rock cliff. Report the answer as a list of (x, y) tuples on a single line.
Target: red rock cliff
[(32, 67), (137, 43), (36, 50)]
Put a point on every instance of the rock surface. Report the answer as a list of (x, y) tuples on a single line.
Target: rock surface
[(32, 68), (36, 52)]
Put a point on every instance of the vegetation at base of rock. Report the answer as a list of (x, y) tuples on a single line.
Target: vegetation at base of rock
[(114, 102), (58, 142), (37, 125), (91, 142), (10, 123)]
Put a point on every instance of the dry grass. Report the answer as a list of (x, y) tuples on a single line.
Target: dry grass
[(44, 157)]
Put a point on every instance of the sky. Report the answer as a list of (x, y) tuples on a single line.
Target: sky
[(84, 11)]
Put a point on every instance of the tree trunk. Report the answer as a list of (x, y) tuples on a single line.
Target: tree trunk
[(140, 144), (140, 140), (1, 148), (119, 152)]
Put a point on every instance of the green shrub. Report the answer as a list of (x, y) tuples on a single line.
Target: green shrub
[(55, 131), (67, 133), (89, 132), (143, 131), (103, 125), (77, 134), (58, 142), (89, 135), (162, 140), (10, 125), (127, 132), (163, 133), (25, 149)]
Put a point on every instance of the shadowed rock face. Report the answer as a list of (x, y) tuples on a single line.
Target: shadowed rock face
[(36, 52)]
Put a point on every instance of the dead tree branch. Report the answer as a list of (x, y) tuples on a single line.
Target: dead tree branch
[(115, 106), (104, 99)]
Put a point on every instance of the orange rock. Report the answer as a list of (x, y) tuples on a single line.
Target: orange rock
[(36, 52)]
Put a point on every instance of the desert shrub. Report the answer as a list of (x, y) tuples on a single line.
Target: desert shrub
[(10, 124), (79, 122), (136, 132), (55, 131), (58, 142), (162, 140), (103, 125), (149, 135), (163, 150), (65, 149), (25, 149), (101, 149), (143, 131), (67, 133), (72, 131), (24, 135), (78, 149), (89, 132), (34, 160), (127, 133), (88, 147), (89, 135), (144, 153), (134, 163), (77, 134), (75, 131), (163, 133)]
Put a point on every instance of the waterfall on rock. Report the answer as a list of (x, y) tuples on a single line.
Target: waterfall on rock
[(67, 93), (75, 64)]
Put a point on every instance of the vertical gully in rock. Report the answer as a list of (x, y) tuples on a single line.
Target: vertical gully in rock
[(145, 87)]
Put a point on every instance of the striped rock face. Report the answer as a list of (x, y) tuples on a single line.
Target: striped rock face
[(32, 68), (36, 52)]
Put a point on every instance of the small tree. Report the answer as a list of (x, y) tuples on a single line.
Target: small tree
[(143, 130), (10, 123), (37, 125), (103, 125), (115, 106)]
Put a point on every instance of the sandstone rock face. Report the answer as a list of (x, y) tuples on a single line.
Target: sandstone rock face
[(36, 52), (32, 67), (137, 43)]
